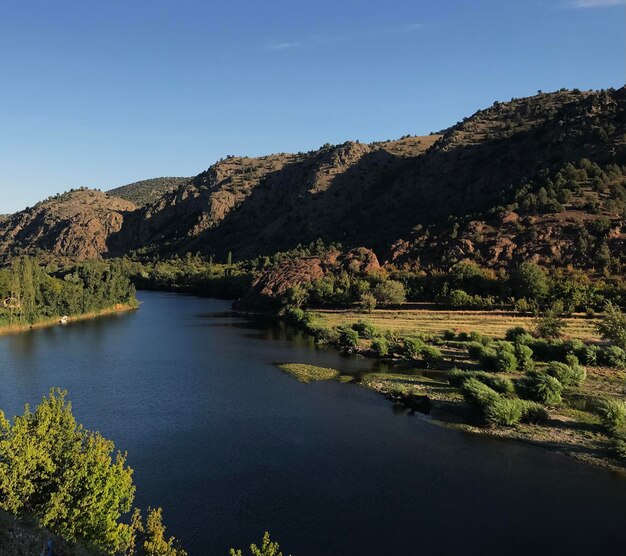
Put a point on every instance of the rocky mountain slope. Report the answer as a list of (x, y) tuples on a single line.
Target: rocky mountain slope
[(147, 191), (77, 224), (539, 178)]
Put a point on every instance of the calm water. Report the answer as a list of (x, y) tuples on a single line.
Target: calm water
[(230, 446)]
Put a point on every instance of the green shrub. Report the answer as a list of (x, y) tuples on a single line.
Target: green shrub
[(381, 346), (464, 337), (589, 355), (612, 413), (567, 375), (613, 325), (478, 394), (475, 350), (478, 337), (618, 446), (503, 385), (505, 361), (540, 387), (517, 335), (348, 338), (431, 355), (612, 356), (524, 357), (510, 411), (449, 334), (533, 412), (504, 411), (412, 346), (365, 330)]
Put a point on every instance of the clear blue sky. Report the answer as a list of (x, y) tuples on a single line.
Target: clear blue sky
[(103, 93)]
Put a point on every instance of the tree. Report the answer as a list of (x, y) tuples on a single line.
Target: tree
[(550, 323), (390, 292), (530, 281), (268, 548), (613, 325), (367, 302)]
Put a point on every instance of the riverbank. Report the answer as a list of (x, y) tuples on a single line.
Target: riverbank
[(56, 321), (421, 347)]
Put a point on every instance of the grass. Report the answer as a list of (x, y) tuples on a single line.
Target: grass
[(307, 373), (428, 321)]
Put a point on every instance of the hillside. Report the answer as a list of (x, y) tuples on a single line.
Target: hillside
[(538, 178), (147, 191), (76, 224)]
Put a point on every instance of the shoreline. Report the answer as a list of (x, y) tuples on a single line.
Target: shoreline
[(55, 321)]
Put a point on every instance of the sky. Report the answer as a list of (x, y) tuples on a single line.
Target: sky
[(101, 94)]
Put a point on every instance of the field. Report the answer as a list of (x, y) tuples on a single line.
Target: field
[(434, 321)]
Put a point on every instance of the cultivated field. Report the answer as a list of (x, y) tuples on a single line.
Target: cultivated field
[(429, 321)]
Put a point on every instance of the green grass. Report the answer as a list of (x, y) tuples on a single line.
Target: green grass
[(307, 373)]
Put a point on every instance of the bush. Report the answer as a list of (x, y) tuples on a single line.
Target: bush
[(475, 350), (612, 413), (348, 338), (449, 335), (589, 355), (567, 375), (517, 334), (431, 356), (504, 411), (478, 394), (612, 356), (365, 330), (503, 385), (499, 357), (505, 360), (540, 387), (381, 346), (367, 302), (533, 412), (464, 337), (412, 346), (478, 337), (524, 357)]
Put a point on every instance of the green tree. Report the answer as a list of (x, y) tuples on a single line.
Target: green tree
[(267, 548), (390, 292), (531, 282), (613, 325)]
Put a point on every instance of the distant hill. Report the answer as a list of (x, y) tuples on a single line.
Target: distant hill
[(75, 224), (541, 178), (147, 191)]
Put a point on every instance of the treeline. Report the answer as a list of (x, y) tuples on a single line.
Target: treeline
[(192, 274), (31, 292)]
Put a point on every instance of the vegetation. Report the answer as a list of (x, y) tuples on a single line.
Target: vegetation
[(32, 293), (74, 482), (147, 191), (307, 373), (267, 548)]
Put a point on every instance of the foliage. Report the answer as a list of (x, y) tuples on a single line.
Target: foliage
[(612, 413), (502, 385), (381, 346), (612, 356), (540, 387), (549, 323), (390, 292), (70, 478), (567, 375), (365, 330), (613, 325), (478, 394), (36, 293), (267, 548)]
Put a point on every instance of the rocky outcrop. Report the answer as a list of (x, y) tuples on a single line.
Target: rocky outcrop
[(77, 225), (274, 282)]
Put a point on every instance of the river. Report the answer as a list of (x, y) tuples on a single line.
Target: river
[(230, 446)]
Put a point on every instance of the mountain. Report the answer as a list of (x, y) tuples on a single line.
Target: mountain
[(147, 191), (76, 224), (540, 178)]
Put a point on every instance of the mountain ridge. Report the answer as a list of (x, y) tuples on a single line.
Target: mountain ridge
[(515, 181)]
